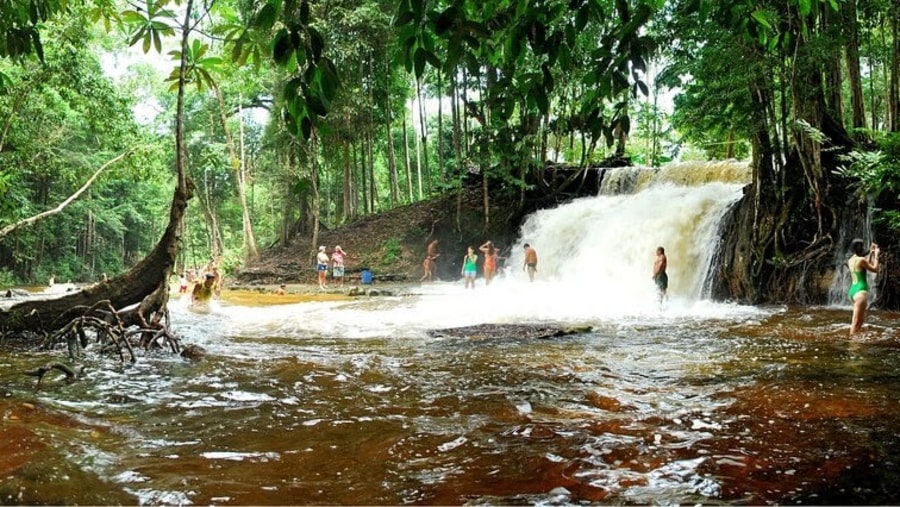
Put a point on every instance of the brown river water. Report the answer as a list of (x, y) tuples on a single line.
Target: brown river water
[(346, 402), (340, 401)]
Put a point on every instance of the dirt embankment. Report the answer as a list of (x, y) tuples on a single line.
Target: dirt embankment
[(392, 244)]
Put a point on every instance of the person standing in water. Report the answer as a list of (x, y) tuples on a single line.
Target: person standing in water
[(860, 263), (430, 262), (203, 291), (659, 273), (470, 267), (490, 261), (322, 266), (530, 264)]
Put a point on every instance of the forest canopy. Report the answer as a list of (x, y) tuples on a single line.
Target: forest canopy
[(301, 115)]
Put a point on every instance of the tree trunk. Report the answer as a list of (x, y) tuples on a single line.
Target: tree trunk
[(362, 177), (392, 157), (486, 84), (440, 133), (288, 227), (425, 170), (347, 199), (857, 100), (894, 88), (460, 165), (314, 177), (834, 97), (370, 146), (237, 166), (215, 243)]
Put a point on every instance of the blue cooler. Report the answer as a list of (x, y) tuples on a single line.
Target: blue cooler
[(366, 276)]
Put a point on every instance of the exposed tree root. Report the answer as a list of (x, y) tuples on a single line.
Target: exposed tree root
[(113, 330), (71, 375)]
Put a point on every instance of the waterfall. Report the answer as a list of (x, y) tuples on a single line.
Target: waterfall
[(606, 245), (852, 225)]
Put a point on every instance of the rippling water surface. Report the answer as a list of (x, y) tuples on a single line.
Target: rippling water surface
[(352, 402)]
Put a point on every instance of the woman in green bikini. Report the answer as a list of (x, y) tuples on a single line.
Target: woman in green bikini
[(859, 264)]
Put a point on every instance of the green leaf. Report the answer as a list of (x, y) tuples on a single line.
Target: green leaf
[(805, 7), (420, 59), (760, 17), (282, 47), (643, 87), (582, 17), (446, 20), (306, 127), (266, 17), (543, 103), (317, 44), (304, 12)]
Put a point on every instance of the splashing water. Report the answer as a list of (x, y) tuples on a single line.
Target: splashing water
[(604, 247)]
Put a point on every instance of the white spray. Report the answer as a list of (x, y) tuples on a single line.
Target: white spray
[(606, 245)]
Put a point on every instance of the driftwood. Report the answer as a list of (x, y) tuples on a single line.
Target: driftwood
[(527, 331)]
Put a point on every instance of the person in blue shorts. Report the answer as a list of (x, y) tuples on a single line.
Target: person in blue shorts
[(470, 267), (322, 266)]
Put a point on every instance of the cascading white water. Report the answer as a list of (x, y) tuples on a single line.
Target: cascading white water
[(606, 245)]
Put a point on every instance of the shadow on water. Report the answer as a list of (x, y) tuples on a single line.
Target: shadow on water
[(729, 405)]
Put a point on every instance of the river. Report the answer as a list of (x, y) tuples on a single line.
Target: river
[(345, 401)]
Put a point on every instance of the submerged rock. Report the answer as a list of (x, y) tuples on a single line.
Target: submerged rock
[(508, 331), (193, 352)]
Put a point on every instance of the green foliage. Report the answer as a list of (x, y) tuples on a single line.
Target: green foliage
[(149, 23), (199, 67), (876, 174), (298, 47), (65, 121), (391, 251), (873, 173), (8, 278)]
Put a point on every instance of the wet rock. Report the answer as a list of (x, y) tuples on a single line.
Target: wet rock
[(17, 293), (193, 352), (560, 491), (508, 331)]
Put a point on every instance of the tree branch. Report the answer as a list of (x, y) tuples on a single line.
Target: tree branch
[(30, 220)]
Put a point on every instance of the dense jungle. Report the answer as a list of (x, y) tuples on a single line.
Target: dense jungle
[(275, 121)]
